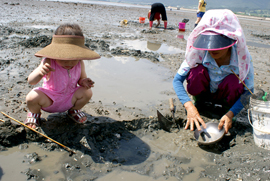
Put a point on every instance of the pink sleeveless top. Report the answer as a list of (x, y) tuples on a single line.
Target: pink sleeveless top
[(61, 86)]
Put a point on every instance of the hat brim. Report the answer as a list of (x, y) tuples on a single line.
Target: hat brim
[(67, 47), (213, 42)]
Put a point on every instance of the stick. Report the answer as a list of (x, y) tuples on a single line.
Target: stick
[(69, 150), (242, 82)]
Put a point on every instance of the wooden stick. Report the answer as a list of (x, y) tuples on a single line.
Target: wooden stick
[(242, 82), (38, 133)]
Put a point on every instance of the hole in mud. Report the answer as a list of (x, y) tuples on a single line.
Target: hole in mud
[(151, 46), (129, 82)]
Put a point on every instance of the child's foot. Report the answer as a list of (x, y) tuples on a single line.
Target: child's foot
[(78, 116), (32, 120)]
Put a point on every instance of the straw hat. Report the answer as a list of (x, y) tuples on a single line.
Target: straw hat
[(210, 40), (67, 47)]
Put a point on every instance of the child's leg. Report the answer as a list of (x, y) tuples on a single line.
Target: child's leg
[(35, 100), (79, 99)]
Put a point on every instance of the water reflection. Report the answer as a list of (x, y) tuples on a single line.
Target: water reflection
[(150, 46), (153, 46), (133, 83)]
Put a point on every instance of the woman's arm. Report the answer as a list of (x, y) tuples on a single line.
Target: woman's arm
[(193, 116), (179, 88)]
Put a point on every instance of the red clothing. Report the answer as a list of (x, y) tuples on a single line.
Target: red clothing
[(156, 17), (229, 89)]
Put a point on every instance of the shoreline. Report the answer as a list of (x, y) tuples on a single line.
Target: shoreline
[(148, 7)]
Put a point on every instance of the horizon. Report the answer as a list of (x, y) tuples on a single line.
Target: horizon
[(131, 3)]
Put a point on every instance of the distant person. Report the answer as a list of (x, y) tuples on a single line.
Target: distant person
[(200, 12), (65, 83), (216, 49), (157, 9)]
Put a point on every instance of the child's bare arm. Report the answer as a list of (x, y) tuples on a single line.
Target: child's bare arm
[(84, 81), (43, 69)]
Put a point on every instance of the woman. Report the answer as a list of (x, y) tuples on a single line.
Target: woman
[(215, 49)]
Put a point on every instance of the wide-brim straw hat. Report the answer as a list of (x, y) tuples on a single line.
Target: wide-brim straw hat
[(67, 47), (210, 40)]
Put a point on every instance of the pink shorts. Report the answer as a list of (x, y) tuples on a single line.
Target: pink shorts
[(61, 102)]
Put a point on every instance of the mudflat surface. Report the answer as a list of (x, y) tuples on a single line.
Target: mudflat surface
[(123, 139)]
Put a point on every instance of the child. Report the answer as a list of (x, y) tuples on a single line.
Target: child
[(65, 83), (215, 49)]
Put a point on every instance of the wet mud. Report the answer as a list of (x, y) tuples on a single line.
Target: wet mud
[(119, 141)]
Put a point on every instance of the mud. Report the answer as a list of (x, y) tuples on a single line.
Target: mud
[(122, 139)]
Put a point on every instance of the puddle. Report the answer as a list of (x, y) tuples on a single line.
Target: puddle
[(44, 27), (18, 36), (259, 45), (132, 83), (131, 176), (148, 158), (150, 46), (49, 163), (182, 36)]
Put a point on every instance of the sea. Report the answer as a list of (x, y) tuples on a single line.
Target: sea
[(130, 3)]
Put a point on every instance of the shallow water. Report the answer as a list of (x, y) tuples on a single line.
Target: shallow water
[(159, 156), (135, 83), (44, 27), (259, 45), (14, 161), (151, 46)]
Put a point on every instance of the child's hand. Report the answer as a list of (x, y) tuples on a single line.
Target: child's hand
[(45, 69), (87, 83)]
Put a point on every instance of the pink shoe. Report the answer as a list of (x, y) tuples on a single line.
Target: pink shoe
[(33, 118)]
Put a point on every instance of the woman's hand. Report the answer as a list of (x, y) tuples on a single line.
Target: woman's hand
[(86, 82), (193, 117), (226, 120)]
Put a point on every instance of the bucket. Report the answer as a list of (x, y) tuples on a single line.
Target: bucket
[(260, 116), (141, 19), (124, 22), (182, 26)]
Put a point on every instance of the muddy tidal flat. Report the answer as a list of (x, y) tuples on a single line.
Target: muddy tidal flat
[(122, 139)]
